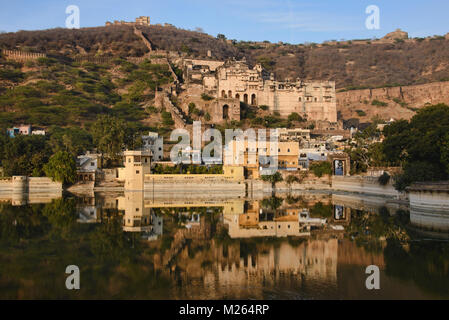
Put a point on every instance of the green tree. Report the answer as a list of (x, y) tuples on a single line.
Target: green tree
[(109, 135), (421, 146), (61, 167), (24, 154)]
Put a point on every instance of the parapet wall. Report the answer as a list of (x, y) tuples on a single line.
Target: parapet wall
[(42, 185), (23, 184), (363, 184)]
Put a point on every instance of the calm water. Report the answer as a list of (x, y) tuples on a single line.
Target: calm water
[(142, 246)]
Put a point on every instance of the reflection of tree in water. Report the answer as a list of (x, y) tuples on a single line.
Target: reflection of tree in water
[(37, 242), (321, 210), (368, 227), (61, 213), (298, 200), (426, 263), (272, 203)]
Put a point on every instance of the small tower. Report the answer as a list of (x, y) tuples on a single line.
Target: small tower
[(137, 165)]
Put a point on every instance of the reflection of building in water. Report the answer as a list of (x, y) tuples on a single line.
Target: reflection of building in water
[(429, 205), (21, 199), (314, 259), (137, 217), (237, 272), (258, 222), (87, 210)]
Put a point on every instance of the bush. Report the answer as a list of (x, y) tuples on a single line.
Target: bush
[(167, 119), (360, 113), (206, 97), (264, 107), (295, 117), (379, 103), (384, 179), (321, 168), (292, 179), (11, 75), (192, 107)]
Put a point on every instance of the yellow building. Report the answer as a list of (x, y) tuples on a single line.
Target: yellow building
[(248, 155), (137, 165)]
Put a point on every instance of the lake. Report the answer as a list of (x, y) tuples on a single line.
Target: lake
[(134, 245)]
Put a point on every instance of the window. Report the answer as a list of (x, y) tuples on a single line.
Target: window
[(137, 171), (92, 164)]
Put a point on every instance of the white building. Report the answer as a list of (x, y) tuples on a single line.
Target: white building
[(152, 142), (86, 166)]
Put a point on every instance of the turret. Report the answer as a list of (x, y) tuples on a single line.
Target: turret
[(137, 165)]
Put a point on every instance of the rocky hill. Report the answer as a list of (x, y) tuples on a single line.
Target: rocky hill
[(82, 73), (393, 60)]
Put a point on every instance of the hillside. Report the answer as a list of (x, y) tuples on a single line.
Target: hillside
[(50, 92), (352, 64)]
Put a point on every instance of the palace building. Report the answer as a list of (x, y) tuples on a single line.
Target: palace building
[(312, 99)]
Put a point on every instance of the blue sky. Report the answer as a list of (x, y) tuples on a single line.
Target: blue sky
[(293, 21)]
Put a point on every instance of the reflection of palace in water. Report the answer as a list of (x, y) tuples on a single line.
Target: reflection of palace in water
[(234, 270), (285, 246)]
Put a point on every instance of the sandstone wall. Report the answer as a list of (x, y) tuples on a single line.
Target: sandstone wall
[(411, 97)]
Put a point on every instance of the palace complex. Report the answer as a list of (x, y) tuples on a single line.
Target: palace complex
[(312, 99)]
